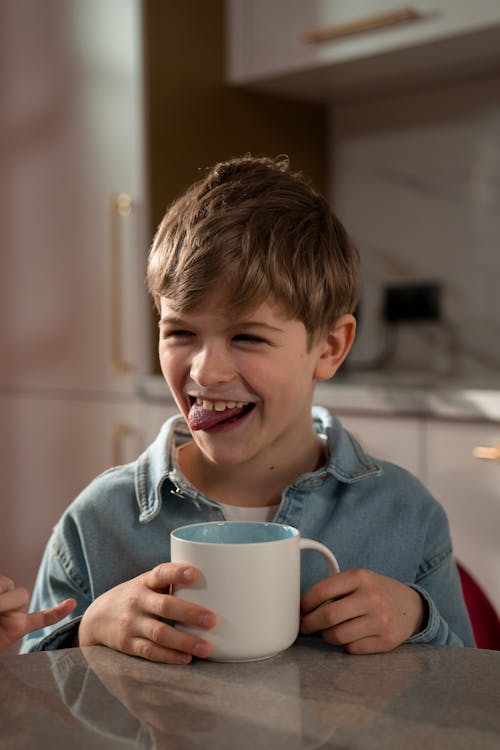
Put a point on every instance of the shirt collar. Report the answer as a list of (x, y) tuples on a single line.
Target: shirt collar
[(348, 462), (154, 467)]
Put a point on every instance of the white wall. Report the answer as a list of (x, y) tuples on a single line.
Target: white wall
[(416, 181)]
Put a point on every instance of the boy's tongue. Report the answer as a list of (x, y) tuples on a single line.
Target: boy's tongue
[(204, 419)]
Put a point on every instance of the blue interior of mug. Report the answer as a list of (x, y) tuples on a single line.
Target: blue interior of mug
[(235, 532)]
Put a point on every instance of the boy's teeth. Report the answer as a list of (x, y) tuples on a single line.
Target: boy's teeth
[(219, 405)]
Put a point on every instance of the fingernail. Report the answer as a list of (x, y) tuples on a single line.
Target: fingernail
[(182, 658), (201, 650), (206, 621), (188, 574)]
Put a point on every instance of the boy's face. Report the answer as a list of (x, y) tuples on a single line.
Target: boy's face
[(244, 385)]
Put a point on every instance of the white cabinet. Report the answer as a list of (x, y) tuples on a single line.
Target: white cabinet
[(75, 314), (72, 262), (50, 450), (469, 490), (268, 44)]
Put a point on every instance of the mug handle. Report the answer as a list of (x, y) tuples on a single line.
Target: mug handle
[(330, 558)]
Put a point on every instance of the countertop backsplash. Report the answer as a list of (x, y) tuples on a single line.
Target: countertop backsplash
[(416, 181)]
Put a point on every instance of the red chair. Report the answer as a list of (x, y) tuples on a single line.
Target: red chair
[(484, 619)]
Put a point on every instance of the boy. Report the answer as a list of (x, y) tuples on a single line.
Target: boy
[(255, 281)]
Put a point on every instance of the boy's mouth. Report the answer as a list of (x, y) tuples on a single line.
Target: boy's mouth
[(206, 414)]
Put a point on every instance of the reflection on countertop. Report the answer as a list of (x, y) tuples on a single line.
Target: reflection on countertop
[(310, 696), (381, 393)]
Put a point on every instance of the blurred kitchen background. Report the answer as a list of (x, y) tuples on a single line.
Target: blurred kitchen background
[(111, 108)]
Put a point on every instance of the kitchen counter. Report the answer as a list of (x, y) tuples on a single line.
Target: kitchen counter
[(389, 395), (310, 696)]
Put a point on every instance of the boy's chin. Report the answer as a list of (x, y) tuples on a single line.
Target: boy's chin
[(230, 456)]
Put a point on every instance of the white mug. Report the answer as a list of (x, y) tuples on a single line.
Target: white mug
[(250, 578)]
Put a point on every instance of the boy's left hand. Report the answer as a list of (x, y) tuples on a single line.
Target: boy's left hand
[(363, 611)]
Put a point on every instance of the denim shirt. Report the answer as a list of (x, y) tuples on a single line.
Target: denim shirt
[(371, 514)]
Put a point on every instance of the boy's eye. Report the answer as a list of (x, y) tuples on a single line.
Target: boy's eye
[(247, 337), (177, 333)]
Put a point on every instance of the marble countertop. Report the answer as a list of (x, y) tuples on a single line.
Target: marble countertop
[(379, 394), (310, 696)]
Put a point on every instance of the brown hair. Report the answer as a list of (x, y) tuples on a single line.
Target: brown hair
[(257, 230)]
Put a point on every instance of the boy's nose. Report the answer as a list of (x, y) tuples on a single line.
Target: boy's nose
[(212, 365)]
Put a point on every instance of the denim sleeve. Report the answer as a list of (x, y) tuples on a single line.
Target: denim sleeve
[(438, 582), (58, 578)]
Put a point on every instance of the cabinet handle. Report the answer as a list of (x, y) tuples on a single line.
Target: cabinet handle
[(121, 206), (487, 453), (120, 433), (370, 23)]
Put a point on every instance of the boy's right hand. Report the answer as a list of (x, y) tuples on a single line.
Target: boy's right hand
[(128, 618), (16, 622)]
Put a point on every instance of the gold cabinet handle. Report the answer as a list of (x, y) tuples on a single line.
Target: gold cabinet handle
[(370, 23), (121, 207), (487, 453)]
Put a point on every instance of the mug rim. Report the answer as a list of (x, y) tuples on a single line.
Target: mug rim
[(294, 532)]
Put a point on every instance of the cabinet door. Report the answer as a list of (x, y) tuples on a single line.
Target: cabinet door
[(71, 138), (50, 450), (268, 48), (469, 489), (268, 35), (395, 439)]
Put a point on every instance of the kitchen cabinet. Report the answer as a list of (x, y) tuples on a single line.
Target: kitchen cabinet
[(73, 236), (300, 47), (50, 450), (71, 142), (469, 490)]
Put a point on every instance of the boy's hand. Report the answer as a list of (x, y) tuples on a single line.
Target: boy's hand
[(128, 618), (370, 613), (15, 622)]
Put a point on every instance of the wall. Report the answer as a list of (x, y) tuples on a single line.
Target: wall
[(416, 180)]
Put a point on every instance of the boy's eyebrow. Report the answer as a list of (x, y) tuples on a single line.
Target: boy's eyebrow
[(174, 320), (256, 324)]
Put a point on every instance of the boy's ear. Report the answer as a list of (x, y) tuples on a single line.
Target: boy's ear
[(335, 346)]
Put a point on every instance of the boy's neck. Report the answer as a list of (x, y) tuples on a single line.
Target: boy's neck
[(247, 485)]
